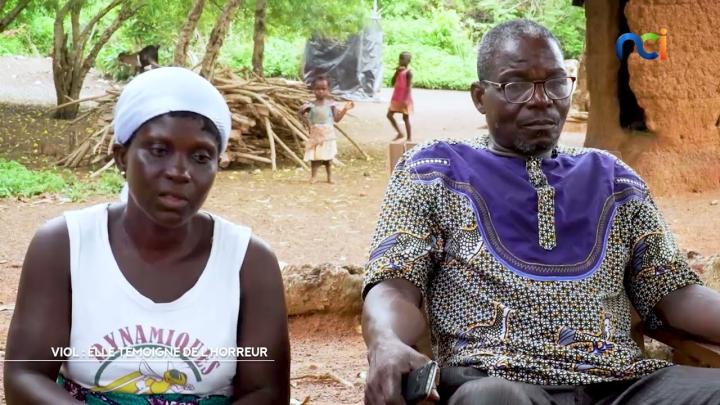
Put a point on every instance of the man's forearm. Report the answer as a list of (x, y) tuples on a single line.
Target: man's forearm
[(392, 311), (693, 309)]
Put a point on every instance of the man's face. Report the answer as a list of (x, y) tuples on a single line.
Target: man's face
[(533, 127)]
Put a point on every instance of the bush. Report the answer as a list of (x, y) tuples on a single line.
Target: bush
[(18, 181), (432, 68), (41, 33), (13, 45), (443, 53)]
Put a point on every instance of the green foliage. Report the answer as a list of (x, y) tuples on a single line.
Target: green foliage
[(443, 53), (13, 45), (441, 34), (568, 25), (282, 56), (564, 20), (109, 182), (443, 30), (18, 181), (336, 19), (432, 68), (30, 34)]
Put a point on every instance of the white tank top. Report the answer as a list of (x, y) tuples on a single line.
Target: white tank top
[(115, 328)]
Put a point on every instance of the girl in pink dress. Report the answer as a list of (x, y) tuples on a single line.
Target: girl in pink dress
[(401, 101)]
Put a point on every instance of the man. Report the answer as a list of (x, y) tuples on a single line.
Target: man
[(528, 257)]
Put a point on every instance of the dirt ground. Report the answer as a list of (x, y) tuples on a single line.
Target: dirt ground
[(304, 224)]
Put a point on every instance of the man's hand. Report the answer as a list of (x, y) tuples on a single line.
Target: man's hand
[(388, 361)]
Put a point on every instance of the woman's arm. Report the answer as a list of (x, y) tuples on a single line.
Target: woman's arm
[(262, 323), (41, 320)]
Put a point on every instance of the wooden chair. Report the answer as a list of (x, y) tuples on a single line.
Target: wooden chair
[(687, 350)]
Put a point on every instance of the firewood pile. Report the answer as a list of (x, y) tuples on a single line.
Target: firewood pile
[(265, 125)]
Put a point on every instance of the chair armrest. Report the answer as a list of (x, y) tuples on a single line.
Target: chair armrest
[(689, 350)]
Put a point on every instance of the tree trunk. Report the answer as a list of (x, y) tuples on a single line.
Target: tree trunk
[(12, 14), (217, 36), (259, 36), (186, 32), (70, 61)]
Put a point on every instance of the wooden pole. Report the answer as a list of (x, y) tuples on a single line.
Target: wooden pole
[(290, 153), (105, 133), (293, 129), (82, 100), (352, 141), (102, 169), (271, 138), (252, 157)]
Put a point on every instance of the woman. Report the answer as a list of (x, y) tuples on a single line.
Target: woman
[(152, 295)]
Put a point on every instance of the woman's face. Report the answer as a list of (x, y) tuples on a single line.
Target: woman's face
[(170, 166)]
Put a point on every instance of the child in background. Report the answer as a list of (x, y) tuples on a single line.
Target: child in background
[(321, 116), (401, 101)]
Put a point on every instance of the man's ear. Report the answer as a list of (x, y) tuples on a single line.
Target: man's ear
[(120, 156), (477, 91)]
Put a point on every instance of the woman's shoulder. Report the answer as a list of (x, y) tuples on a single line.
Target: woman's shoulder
[(53, 231), (57, 227), (255, 244), (256, 250), (50, 246), (89, 211), (260, 260), (226, 223)]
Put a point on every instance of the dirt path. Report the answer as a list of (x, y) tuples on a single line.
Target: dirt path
[(287, 212), (29, 80)]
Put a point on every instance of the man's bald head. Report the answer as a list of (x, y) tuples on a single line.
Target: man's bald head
[(494, 40)]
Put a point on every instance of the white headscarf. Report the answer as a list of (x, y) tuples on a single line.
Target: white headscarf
[(167, 89)]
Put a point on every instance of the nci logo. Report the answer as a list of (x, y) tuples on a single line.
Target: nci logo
[(639, 41)]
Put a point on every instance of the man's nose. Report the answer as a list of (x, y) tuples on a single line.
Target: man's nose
[(539, 97)]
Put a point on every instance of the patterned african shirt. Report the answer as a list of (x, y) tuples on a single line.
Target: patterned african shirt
[(528, 267)]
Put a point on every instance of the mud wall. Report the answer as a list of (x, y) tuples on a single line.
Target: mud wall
[(680, 96)]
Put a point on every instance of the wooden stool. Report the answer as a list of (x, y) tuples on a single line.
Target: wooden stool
[(395, 152)]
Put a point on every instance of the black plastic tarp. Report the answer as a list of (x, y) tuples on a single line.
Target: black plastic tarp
[(354, 67)]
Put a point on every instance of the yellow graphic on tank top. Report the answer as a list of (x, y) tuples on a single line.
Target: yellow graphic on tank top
[(147, 381)]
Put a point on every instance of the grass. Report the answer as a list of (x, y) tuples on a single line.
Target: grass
[(17, 181)]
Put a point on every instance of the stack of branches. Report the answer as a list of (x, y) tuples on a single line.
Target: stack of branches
[(264, 116)]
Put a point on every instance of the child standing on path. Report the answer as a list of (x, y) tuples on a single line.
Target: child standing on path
[(401, 101), (321, 116)]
